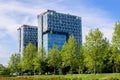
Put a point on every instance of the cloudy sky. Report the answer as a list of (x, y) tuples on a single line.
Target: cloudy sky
[(100, 14)]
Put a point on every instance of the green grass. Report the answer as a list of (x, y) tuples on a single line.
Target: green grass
[(66, 77), (97, 76), (115, 76)]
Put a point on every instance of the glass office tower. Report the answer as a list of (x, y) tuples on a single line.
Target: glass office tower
[(27, 34), (55, 28)]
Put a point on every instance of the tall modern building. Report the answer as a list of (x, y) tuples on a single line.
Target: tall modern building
[(27, 34), (55, 28)]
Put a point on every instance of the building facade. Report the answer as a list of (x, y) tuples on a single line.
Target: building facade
[(55, 28), (27, 34)]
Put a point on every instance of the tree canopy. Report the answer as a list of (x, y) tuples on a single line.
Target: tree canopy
[(96, 55)]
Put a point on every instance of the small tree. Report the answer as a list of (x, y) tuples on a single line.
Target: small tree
[(94, 49), (54, 58), (4, 70), (29, 54), (116, 48), (14, 63), (81, 60), (69, 54), (40, 61)]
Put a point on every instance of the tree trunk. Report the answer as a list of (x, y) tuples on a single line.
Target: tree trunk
[(79, 70), (71, 70), (54, 70), (94, 68)]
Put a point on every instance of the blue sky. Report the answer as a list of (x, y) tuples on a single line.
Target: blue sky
[(100, 14)]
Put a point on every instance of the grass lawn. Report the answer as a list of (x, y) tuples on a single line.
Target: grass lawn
[(97, 76), (114, 76)]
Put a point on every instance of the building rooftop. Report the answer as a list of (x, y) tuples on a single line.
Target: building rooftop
[(56, 12), (25, 25)]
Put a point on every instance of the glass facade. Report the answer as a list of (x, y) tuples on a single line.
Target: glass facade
[(27, 34), (61, 25), (30, 35), (53, 39)]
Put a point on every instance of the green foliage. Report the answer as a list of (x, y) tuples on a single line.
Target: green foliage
[(69, 54), (14, 63), (116, 35), (1, 69), (81, 63), (95, 48), (29, 54), (95, 55), (54, 58), (115, 57), (4, 70), (39, 61)]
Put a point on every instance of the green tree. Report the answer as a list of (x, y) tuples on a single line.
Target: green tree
[(28, 58), (4, 70), (69, 54), (54, 58), (95, 48), (40, 61), (14, 62), (81, 60), (115, 58), (1, 68)]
